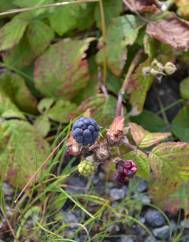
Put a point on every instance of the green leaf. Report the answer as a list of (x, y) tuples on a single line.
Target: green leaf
[(61, 111), (20, 56), (45, 104), (84, 20), (169, 163), (150, 121), (184, 88), (70, 17), (111, 9), (137, 88), (58, 74), (64, 19), (121, 32), (22, 152), (7, 108), (93, 86), (6, 5), (58, 110), (12, 32), (142, 162), (180, 124), (14, 86), (39, 36), (42, 125), (31, 3)]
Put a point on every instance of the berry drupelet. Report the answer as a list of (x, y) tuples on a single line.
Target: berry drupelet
[(85, 131)]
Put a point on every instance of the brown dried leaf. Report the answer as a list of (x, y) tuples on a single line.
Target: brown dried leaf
[(117, 125), (172, 31), (142, 6), (144, 138), (115, 133), (73, 148)]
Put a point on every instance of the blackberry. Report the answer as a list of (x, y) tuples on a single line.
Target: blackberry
[(85, 131)]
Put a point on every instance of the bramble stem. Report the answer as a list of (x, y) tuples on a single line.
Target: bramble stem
[(132, 67)]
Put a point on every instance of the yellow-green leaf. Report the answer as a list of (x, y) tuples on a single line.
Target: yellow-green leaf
[(144, 138), (22, 152)]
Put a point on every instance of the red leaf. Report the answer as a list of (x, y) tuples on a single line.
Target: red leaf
[(172, 31)]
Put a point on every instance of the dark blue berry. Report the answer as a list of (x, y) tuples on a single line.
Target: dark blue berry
[(85, 131)]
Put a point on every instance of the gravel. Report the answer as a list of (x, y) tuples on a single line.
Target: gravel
[(154, 218), (162, 233), (118, 193), (127, 238)]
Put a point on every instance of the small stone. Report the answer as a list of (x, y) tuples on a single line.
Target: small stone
[(186, 239), (76, 184), (185, 223), (114, 228), (127, 238), (8, 191), (139, 230), (142, 186), (150, 239), (117, 193), (154, 218), (162, 233), (71, 219), (144, 199)]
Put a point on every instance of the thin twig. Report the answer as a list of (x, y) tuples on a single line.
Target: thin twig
[(50, 5), (134, 64), (103, 26), (102, 86), (39, 169)]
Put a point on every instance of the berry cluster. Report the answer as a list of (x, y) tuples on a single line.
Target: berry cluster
[(125, 169), (86, 167), (85, 131)]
